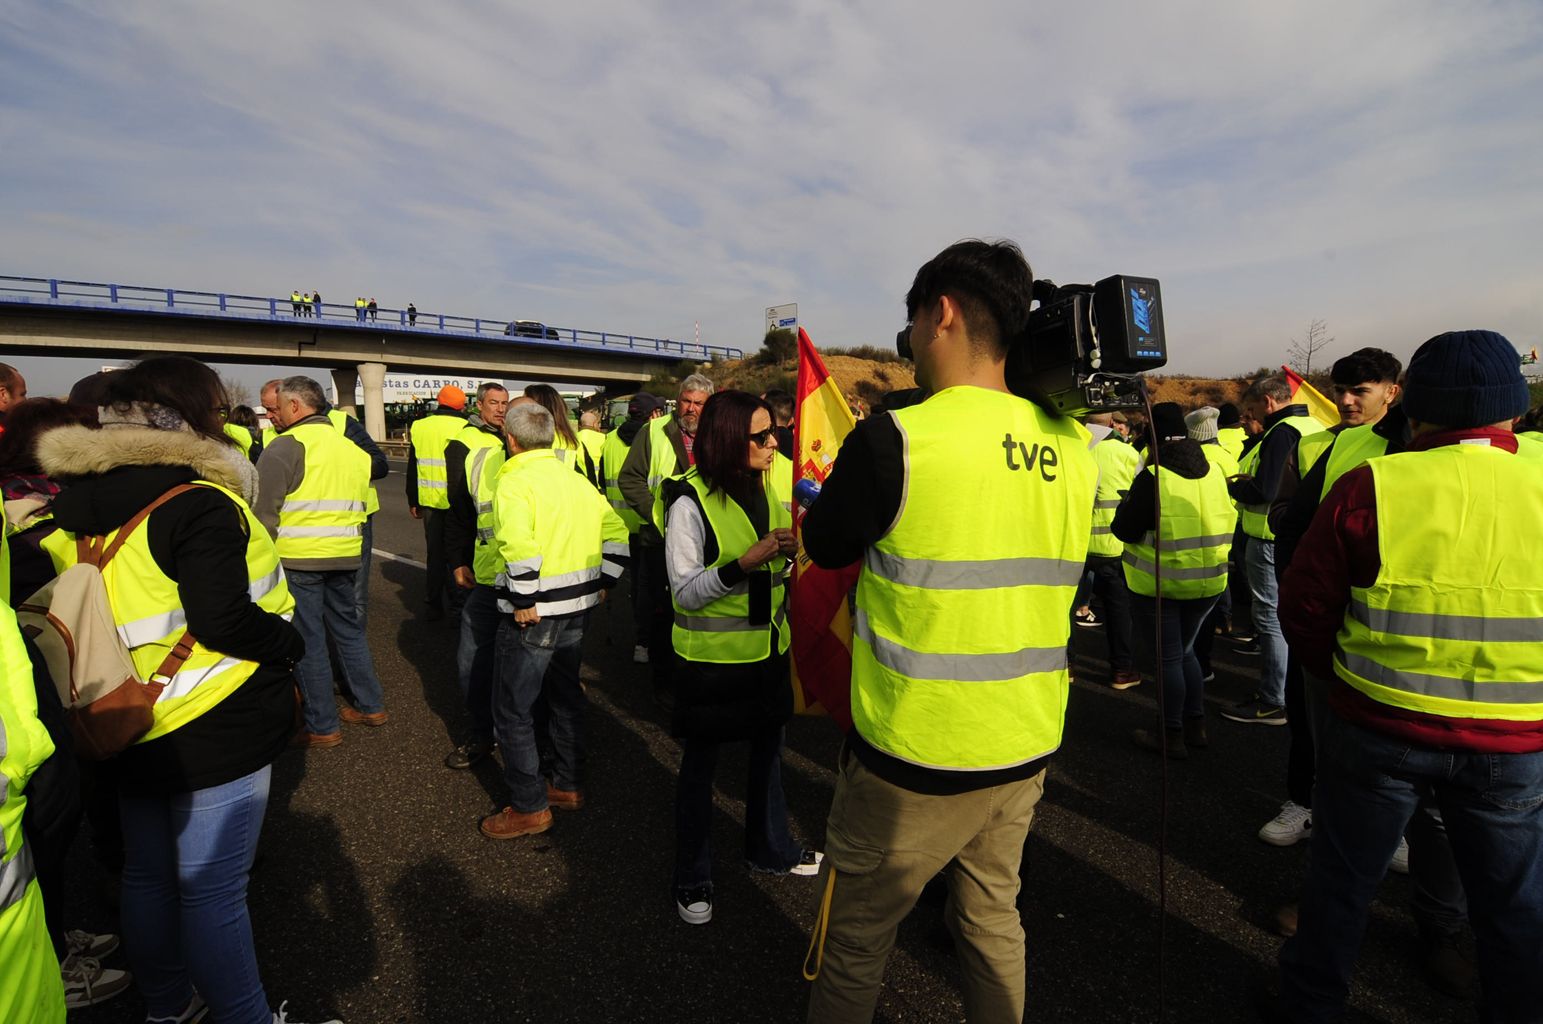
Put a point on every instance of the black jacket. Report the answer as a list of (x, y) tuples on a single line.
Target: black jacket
[(1274, 448), (199, 540), (461, 523)]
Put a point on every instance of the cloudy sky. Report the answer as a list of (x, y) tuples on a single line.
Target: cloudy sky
[(646, 166)]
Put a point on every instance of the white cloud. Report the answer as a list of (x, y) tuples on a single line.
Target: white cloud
[(642, 166)]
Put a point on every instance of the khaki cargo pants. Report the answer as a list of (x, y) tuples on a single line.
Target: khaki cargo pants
[(883, 843)]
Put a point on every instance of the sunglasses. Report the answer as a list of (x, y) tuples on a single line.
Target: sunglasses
[(761, 437)]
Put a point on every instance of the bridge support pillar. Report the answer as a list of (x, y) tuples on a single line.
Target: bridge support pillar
[(344, 381), (373, 376)]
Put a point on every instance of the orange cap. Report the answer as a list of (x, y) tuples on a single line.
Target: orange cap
[(452, 396)]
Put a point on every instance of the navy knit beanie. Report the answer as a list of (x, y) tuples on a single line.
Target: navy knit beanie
[(1465, 379)]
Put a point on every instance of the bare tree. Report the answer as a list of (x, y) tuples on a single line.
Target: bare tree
[(237, 393), (1301, 352)]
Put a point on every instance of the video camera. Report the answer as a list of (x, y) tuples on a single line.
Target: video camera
[(1085, 344)]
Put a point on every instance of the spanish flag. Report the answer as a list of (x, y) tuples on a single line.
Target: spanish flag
[(1318, 407), (821, 620)]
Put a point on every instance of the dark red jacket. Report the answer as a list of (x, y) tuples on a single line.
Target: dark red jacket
[(1339, 551)]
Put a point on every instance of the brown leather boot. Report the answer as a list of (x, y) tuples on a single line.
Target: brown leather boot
[(564, 799), (511, 824)]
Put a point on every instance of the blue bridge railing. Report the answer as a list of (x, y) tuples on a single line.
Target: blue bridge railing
[(96, 295)]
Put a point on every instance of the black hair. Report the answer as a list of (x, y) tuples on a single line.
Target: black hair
[(990, 282), (1228, 415), (722, 446), (781, 405), (180, 383), (1366, 364)]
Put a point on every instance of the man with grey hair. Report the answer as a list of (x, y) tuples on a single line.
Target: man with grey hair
[(662, 450), (472, 462), (560, 549), (313, 489), (1285, 423)]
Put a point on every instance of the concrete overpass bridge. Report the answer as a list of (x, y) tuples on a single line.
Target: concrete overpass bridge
[(53, 317)]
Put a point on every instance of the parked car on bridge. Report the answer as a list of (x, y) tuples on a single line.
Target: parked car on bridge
[(530, 329)]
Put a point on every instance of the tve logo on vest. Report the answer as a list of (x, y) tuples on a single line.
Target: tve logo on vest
[(1046, 457)]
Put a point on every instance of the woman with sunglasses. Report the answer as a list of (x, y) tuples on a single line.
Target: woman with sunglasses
[(728, 540)]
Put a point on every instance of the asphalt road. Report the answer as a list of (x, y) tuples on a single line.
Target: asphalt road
[(375, 899)]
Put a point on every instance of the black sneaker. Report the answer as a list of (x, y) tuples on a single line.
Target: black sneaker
[(695, 906), (1256, 712), (1250, 647), (467, 755)]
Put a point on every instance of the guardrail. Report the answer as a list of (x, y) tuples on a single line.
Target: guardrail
[(138, 298)]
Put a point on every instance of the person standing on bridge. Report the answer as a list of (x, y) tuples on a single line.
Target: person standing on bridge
[(313, 492), (294, 302), (561, 549), (373, 308), (412, 315), (663, 449), (473, 459), (428, 493), (316, 301), (359, 308)]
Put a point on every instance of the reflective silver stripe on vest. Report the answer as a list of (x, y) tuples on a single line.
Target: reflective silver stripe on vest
[(612, 481), (1473, 628), (620, 504), (973, 574), (484, 507), (966, 668), (322, 505), (1204, 572), (570, 579), (549, 608), (474, 482), (433, 485), (485, 536), (1107, 503), (728, 623), (322, 531), (653, 482), (1443, 686), (15, 875), (431, 462), (189, 679), (158, 627), (1097, 530), (1188, 543), (152, 628)]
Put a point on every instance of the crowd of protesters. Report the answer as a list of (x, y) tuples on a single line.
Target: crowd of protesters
[(1380, 570)]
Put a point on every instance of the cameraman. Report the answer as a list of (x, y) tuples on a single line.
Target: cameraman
[(971, 512)]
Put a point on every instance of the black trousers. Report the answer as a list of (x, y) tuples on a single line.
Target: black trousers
[(434, 537), (52, 815), (654, 584), (1114, 598)]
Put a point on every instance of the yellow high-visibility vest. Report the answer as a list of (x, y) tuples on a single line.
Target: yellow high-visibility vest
[(720, 631), (485, 454), (963, 607), (1256, 518), (429, 436), (1231, 440), (1453, 624), (324, 516), (147, 609), (1352, 447), (32, 992), (1196, 525), (557, 537), (1117, 465), (781, 474), (612, 455)]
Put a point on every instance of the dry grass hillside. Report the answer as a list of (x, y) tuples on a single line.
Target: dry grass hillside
[(862, 380), (868, 380)]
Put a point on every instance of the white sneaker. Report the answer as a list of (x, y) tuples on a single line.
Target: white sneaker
[(639, 655), (1293, 824), (1400, 861), (84, 943), (87, 982), (283, 1018)]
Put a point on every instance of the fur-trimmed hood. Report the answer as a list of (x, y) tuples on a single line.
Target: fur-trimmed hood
[(68, 453)]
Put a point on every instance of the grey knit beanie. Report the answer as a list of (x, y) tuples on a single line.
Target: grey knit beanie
[(1202, 423)]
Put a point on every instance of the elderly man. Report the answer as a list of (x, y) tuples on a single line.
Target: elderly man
[(473, 460), (313, 489), (663, 449), (13, 389), (561, 548)]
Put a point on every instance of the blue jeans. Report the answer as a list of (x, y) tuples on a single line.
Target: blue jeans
[(324, 604), (538, 660), (1183, 680), (474, 658), (1259, 566), (185, 922), (769, 845), (1368, 787)]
